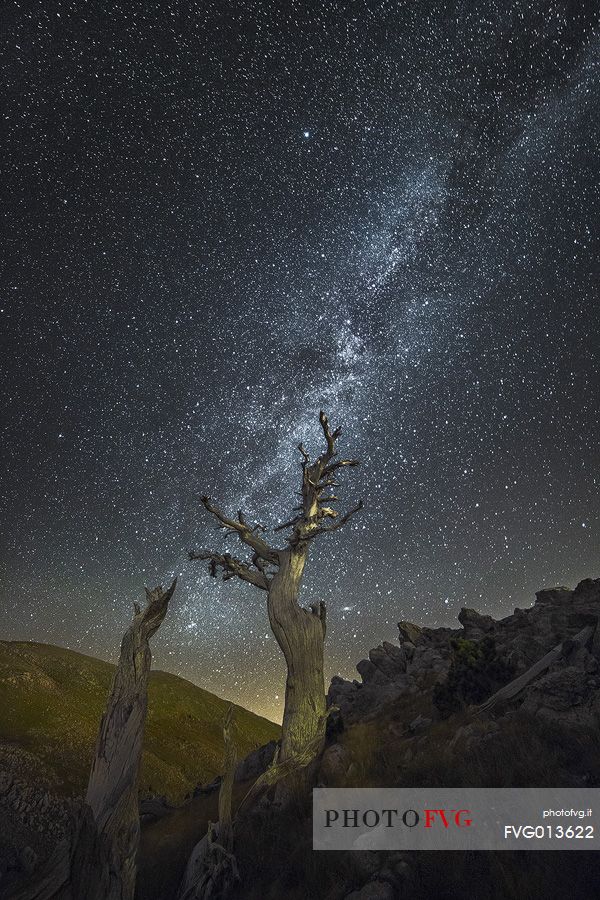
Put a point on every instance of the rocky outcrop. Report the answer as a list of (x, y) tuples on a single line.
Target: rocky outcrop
[(392, 671), (569, 689), (474, 623), (256, 762), (553, 650), (387, 730), (410, 632), (32, 818)]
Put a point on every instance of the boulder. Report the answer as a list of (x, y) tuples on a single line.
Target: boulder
[(388, 659), (565, 695), (409, 632), (588, 589), (339, 690), (553, 595), (364, 701), (409, 649), (370, 673), (256, 762), (396, 653), (471, 620), (427, 659)]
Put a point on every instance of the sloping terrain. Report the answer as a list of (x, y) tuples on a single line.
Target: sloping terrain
[(51, 702), (419, 717)]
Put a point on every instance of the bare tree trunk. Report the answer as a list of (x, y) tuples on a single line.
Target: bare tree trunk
[(212, 870), (226, 790), (301, 635), (299, 632), (112, 792), (98, 862)]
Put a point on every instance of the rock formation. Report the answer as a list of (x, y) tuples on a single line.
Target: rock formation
[(568, 689)]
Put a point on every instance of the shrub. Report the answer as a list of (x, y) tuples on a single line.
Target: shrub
[(476, 671)]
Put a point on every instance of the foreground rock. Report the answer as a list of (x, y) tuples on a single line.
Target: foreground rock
[(390, 729), (568, 691)]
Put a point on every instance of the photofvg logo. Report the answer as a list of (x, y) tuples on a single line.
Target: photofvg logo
[(456, 819), (373, 818)]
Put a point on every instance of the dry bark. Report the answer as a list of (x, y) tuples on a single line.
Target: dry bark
[(112, 792), (226, 790), (212, 869), (99, 860), (290, 766), (300, 632)]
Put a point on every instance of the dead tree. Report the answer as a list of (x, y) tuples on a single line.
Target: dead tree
[(226, 790), (300, 632), (510, 690), (212, 869), (98, 861), (112, 793)]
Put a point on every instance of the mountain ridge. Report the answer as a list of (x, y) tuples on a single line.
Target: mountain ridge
[(45, 688)]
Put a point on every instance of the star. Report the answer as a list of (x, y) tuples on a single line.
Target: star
[(190, 285)]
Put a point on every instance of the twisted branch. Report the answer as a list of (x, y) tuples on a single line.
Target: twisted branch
[(246, 533), (233, 568), (312, 512), (316, 478)]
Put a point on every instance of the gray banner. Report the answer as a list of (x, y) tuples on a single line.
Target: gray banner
[(456, 819)]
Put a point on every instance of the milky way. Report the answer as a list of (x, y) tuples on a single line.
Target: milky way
[(222, 218)]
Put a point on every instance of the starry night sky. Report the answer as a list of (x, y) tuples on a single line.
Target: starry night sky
[(221, 217)]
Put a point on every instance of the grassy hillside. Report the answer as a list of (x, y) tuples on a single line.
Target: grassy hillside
[(52, 699)]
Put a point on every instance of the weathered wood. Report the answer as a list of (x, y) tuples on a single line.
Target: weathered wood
[(212, 869), (98, 862), (514, 687), (112, 792), (280, 770), (299, 632), (226, 789)]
